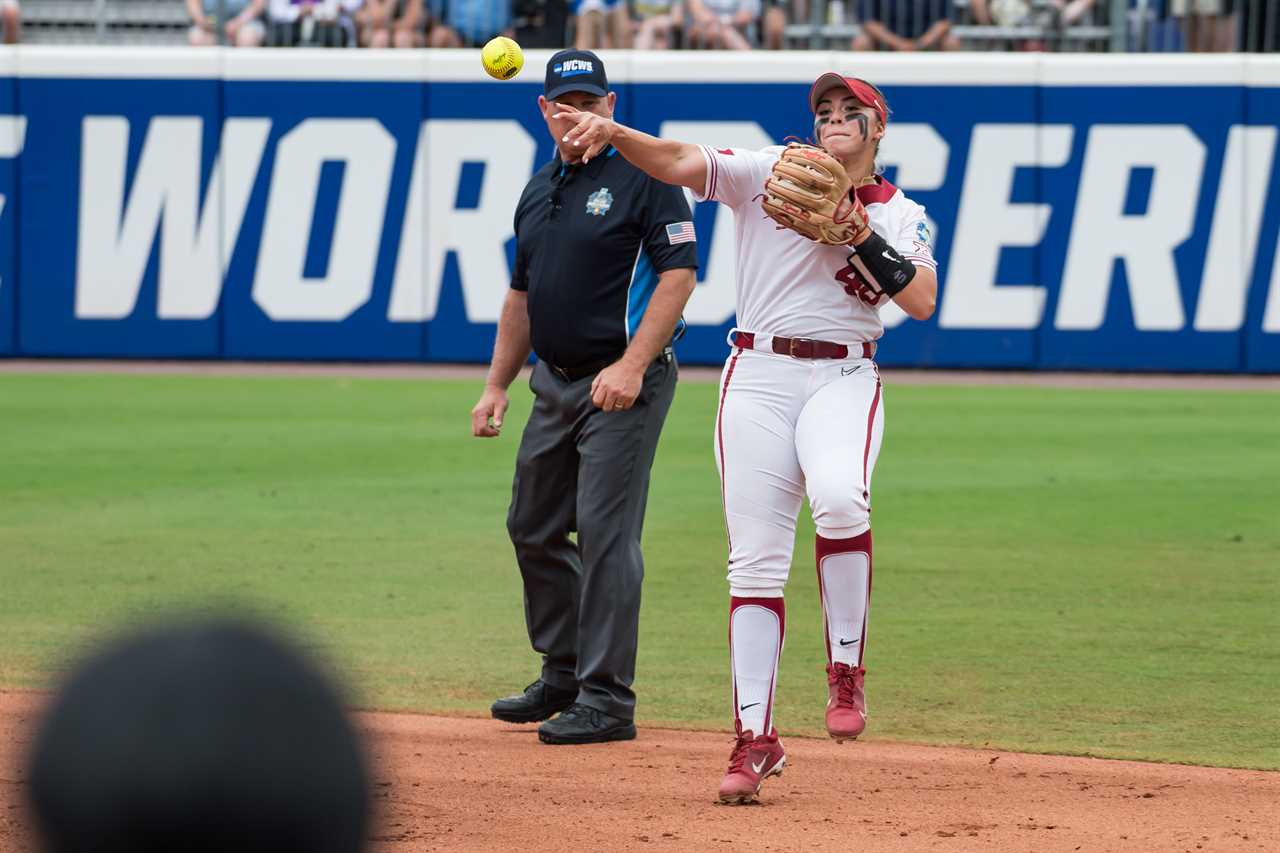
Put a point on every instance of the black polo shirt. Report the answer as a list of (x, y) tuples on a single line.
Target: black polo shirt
[(590, 243)]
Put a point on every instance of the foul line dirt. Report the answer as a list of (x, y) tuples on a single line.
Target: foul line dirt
[(478, 785), (1220, 382)]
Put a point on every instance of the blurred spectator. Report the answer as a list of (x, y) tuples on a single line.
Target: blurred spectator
[(1001, 13), (905, 26), (1207, 25), (540, 23), (601, 24), (244, 22), (1052, 19), (204, 738), (311, 23), (777, 16), (658, 24), (723, 24), (1259, 26), (776, 19), (1068, 13), (391, 23), (1010, 13), (11, 18), (1150, 29), (468, 23)]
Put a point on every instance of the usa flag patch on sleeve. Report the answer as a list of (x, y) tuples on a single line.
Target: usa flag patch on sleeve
[(680, 232)]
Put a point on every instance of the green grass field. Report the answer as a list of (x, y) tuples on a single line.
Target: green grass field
[(1076, 571)]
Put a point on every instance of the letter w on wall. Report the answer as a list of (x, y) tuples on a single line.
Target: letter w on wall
[(116, 235)]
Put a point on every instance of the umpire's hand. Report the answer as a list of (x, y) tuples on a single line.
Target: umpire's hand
[(616, 387), (486, 417)]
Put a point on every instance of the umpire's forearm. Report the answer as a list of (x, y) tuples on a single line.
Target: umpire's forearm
[(511, 348), (660, 318)]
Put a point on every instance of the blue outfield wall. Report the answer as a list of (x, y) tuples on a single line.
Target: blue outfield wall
[(11, 130), (1101, 213)]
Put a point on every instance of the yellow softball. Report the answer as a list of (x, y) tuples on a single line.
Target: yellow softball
[(502, 58)]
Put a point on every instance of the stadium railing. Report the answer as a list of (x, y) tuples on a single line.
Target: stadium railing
[(1108, 25), (123, 22), (1092, 33)]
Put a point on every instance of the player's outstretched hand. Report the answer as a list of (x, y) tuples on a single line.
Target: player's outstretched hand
[(592, 133), (616, 387), (486, 417)]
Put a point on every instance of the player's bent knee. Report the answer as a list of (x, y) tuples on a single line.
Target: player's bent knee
[(755, 591), (757, 581), (841, 518), (846, 532), (839, 505)]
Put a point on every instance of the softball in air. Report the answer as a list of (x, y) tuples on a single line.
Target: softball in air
[(502, 58)]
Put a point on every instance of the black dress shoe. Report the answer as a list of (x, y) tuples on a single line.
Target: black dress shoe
[(582, 724), (538, 702)]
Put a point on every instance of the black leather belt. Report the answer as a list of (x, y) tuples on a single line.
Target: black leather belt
[(573, 374)]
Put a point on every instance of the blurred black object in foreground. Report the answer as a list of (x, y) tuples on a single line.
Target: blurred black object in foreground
[(201, 737)]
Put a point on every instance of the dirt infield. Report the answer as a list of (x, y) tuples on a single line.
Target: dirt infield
[(1220, 382), (479, 785)]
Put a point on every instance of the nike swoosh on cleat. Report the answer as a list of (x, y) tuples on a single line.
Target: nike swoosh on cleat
[(757, 766)]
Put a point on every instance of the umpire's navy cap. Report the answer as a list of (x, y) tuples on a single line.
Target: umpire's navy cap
[(575, 71)]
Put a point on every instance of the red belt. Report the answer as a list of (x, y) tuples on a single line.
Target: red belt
[(803, 347)]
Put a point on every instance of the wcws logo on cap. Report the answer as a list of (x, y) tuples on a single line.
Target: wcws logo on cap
[(573, 67)]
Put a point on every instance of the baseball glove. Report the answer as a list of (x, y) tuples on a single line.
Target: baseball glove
[(809, 193)]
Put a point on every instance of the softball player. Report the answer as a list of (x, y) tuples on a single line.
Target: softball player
[(800, 408)]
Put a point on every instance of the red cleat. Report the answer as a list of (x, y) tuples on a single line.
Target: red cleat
[(753, 760), (846, 703)]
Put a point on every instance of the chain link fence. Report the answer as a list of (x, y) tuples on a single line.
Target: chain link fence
[(885, 25)]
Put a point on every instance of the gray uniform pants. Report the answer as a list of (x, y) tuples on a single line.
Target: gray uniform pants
[(583, 469)]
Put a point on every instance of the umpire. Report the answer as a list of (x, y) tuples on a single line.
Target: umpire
[(605, 261)]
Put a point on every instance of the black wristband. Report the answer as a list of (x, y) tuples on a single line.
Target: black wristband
[(889, 270)]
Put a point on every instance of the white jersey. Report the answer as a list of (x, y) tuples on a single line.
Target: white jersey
[(791, 286)]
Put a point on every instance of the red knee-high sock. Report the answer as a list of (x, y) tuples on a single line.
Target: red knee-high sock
[(757, 627), (844, 581)]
